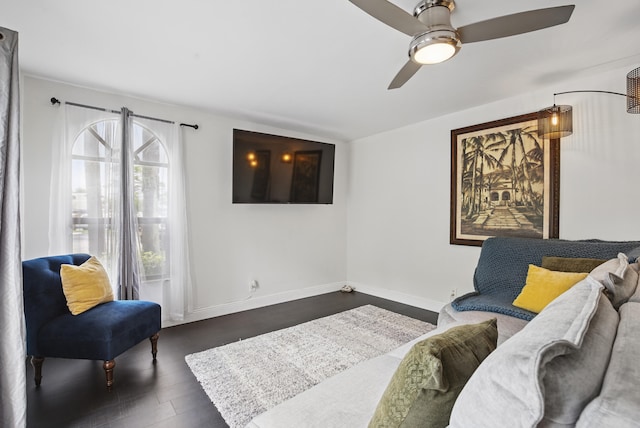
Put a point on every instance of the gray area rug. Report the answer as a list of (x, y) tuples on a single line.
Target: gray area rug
[(246, 378)]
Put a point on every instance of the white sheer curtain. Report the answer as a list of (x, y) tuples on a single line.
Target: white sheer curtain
[(101, 158), (13, 404), (60, 225), (178, 278), (92, 134), (180, 281)]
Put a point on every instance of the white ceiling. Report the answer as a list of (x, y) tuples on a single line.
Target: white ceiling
[(320, 67)]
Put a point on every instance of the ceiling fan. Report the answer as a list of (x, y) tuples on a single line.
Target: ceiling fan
[(435, 40)]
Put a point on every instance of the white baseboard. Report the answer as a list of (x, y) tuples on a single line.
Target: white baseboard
[(253, 303), (287, 296), (397, 296)]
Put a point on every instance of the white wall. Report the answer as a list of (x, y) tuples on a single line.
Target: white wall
[(292, 250), (399, 189), (392, 239)]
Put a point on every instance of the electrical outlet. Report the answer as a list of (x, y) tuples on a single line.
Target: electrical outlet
[(453, 295), (254, 285)]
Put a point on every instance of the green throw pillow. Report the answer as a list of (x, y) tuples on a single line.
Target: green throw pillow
[(425, 386), (568, 264)]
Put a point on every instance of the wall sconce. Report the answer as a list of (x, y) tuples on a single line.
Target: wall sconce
[(286, 157), (557, 121)]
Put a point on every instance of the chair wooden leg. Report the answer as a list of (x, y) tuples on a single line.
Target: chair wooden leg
[(36, 362), (108, 369), (154, 345)]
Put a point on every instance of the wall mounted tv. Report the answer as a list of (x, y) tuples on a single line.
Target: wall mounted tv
[(270, 169)]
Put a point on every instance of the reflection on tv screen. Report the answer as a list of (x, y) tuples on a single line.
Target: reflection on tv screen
[(273, 169)]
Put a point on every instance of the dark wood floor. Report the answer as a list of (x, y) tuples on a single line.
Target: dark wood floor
[(73, 393)]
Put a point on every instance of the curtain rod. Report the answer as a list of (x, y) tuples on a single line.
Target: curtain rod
[(55, 101)]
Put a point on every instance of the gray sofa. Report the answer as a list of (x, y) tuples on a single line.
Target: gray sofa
[(574, 364)]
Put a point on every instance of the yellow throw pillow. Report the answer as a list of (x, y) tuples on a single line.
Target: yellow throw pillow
[(85, 286), (543, 286)]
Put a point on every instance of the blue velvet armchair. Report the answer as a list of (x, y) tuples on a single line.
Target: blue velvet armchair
[(101, 333)]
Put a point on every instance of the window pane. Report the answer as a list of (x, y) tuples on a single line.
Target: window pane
[(150, 188), (95, 178), (96, 140), (151, 200), (154, 242), (147, 147)]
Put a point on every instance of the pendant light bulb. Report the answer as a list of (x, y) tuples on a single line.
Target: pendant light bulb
[(555, 122)]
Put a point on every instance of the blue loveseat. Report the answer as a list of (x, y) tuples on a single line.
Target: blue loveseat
[(101, 333)]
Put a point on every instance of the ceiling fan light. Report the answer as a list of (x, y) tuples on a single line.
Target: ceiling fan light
[(434, 48), (434, 54)]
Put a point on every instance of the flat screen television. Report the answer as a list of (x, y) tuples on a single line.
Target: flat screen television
[(271, 169)]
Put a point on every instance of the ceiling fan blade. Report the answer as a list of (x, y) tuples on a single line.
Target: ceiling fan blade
[(518, 23), (405, 73), (392, 15)]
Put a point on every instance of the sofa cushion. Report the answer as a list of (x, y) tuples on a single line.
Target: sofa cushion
[(571, 381), (570, 264), (548, 371), (432, 374), (618, 404), (543, 285), (102, 333), (507, 325), (503, 265), (619, 279), (635, 297), (85, 286), (633, 254)]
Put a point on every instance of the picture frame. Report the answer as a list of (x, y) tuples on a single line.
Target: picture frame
[(505, 181)]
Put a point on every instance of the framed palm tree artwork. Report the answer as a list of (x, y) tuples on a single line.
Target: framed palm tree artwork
[(505, 181)]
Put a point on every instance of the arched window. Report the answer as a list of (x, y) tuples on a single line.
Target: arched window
[(128, 208), (94, 190)]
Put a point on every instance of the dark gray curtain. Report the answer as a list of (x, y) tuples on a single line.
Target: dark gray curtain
[(128, 265), (13, 399)]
